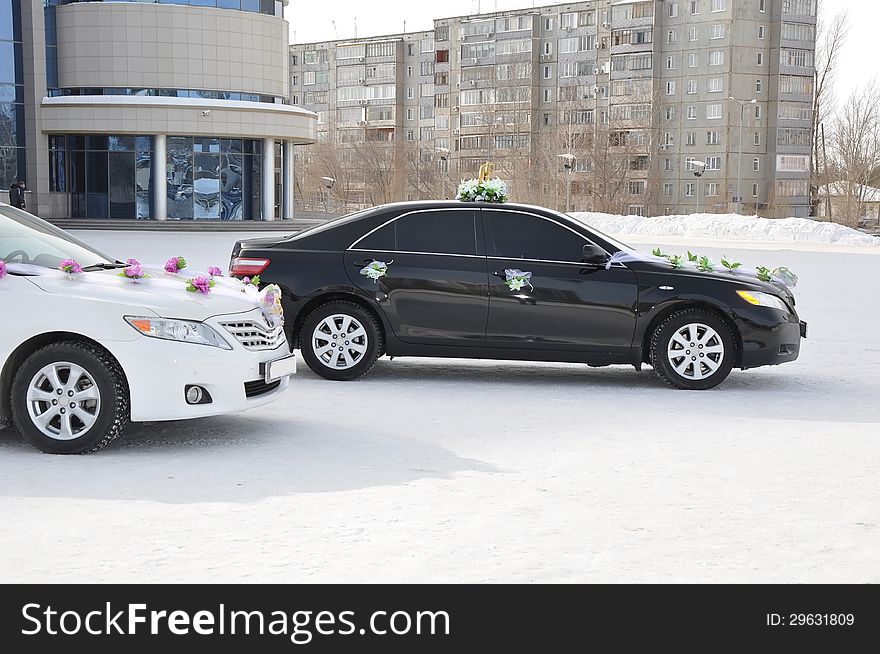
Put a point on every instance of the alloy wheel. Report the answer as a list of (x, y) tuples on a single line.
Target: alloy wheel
[(695, 351), (63, 401), (339, 341)]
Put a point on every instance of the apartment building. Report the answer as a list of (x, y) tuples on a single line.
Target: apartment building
[(658, 106)]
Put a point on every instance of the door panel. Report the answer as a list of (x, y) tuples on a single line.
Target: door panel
[(428, 297), (565, 306)]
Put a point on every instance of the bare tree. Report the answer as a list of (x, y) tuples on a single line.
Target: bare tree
[(855, 148), (830, 41)]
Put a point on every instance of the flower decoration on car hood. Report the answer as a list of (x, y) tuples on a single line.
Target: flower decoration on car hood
[(516, 279), (134, 270), (375, 269), (2, 269), (175, 265), (214, 271), (70, 267), (200, 284)]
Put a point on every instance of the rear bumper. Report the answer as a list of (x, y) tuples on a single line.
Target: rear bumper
[(769, 336)]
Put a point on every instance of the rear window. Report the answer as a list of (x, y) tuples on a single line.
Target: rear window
[(444, 231)]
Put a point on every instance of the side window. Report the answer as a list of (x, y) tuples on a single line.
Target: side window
[(521, 236), (444, 232), (382, 239)]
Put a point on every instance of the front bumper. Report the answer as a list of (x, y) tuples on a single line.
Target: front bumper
[(769, 336), (158, 372)]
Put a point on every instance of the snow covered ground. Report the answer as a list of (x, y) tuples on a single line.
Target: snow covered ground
[(728, 227), (430, 470)]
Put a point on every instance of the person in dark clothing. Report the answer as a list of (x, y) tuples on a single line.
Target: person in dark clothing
[(16, 194)]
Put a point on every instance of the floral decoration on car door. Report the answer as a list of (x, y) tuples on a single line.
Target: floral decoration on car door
[(516, 279), (375, 269)]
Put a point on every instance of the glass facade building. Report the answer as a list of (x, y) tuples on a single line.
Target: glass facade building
[(149, 110), (12, 142)]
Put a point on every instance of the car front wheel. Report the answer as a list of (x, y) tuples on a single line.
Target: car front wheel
[(70, 398), (341, 341), (693, 349)]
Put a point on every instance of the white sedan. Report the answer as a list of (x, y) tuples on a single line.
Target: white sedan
[(83, 353)]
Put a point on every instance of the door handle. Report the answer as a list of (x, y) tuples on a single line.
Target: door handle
[(499, 275)]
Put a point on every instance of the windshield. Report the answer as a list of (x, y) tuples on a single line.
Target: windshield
[(24, 238)]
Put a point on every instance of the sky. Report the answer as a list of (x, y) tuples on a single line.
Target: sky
[(314, 21)]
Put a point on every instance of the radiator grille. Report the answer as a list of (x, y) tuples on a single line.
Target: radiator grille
[(255, 336)]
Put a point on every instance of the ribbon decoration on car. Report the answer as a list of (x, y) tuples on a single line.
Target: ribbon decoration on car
[(375, 269), (516, 279)]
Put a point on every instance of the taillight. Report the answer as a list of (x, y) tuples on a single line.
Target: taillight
[(245, 267)]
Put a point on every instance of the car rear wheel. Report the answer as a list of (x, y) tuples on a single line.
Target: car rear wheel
[(341, 341), (693, 349), (70, 398)]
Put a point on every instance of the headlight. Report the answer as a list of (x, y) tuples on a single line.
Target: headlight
[(760, 299), (183, 331)]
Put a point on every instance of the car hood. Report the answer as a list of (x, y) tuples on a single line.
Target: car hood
[(163, 294)]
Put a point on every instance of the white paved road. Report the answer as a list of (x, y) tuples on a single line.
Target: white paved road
[(431, 470)]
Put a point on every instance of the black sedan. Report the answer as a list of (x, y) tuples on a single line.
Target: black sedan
[(489, 281)]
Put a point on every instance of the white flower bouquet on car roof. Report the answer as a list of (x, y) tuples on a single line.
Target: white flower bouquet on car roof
[(483, 188)]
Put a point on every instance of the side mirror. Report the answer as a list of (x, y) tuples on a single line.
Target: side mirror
[(594, 254)]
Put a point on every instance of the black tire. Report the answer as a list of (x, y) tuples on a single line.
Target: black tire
[(667, 330), (112, 412), (373, 340)]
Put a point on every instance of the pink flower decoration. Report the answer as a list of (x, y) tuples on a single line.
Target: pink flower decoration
[(214, 271), (2, 269), (200, 284), (70, 266), (175, 265), (134, 270)]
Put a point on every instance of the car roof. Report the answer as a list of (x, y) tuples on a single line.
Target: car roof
[(458, 204)]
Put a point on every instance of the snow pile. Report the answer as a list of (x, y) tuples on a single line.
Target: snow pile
[(727, 226)]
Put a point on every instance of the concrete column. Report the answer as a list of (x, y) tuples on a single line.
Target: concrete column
[(268, 179), (287, 180), (159, 177)]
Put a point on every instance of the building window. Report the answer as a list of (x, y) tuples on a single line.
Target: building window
[(636, 210), (716, 58), (670, 87), (568, 20), (691, 139), (754, 190), (760, 31), (762, 5), (693, 34), (719, 5), (670, 113), (670, 62), (673, 9), (757, 140), (756, 164), (410, 92), (410, 113), (715, 85), (712, 189), (713, 111), (695, 7), (692, 60), (691, 112), (718, 31), (548, 72), (689, 190), (548, 48), (548, 95), (757, 112), (692, 86), (546, 120), (667, 189), (309, 78), (760, 58), (759, 85), (548, 24), (672, 36), (442, 56), (713, 137), (713, 163)]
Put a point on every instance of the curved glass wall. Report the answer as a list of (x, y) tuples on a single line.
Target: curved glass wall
[(12, 152), (168, 93), (208, 178), (268, 7)]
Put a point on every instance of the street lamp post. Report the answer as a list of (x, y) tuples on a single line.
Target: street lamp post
[(443, 153), (568, 161), (742, 109), (699, 169)]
